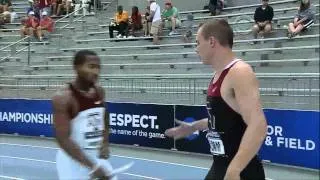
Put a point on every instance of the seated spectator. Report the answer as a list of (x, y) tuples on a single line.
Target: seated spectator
[(7, 16), (147, 22), (5, 4), (91, 4), (136, 20), (303, 20), (155, 17), (29, 25), (170, 18), (82, 4), (263, 17), (120, 23), (59, 7), (46, 25), (65, 7), (215, 7), (3, 18), (54, 6)]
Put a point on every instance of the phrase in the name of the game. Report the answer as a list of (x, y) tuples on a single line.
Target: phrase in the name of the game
[(138, 133)]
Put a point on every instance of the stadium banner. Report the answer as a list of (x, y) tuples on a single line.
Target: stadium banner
[(292, 136), (141, 124), (26, 117)]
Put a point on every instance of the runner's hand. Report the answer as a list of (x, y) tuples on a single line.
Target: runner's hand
[(184, 129)]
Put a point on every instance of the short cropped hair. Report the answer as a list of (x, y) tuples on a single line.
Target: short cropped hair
[(80, 57), (220, 29)]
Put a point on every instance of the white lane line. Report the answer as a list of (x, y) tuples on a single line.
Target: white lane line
[(137, 175), (10, 177), (115, 155), (53, 162), (27, 145), (164, 162), (28, 159)]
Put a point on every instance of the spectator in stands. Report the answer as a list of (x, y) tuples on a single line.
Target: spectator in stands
[(82, 4), (215, 7), (29, 25), (65, 7), (155, 16), (263, 17), (170, 18), (147, 22), (46, 25), (2, 17), (136, 20), (7, 16), (5, 4), (91, 4), (120, 23), (303, 20), (54, 6)]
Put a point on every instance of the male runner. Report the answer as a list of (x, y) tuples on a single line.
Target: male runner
[(236, 124), (81, 123)]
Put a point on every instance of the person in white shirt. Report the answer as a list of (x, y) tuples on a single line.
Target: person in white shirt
[(155, 16), (81, 123)]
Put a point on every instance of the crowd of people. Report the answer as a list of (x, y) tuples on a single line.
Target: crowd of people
[(154, 20), (264, 14), (151, 22), (61, 7), (32, 25), (41, 11)]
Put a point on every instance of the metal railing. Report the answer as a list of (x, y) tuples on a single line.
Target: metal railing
[(11, 51), (276, 92)]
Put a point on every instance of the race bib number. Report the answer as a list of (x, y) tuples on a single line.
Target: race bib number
[(216, 144), (94, 130)]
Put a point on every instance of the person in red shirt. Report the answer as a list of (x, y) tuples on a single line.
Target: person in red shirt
[(46, 25), (29, 25), (136, 20)]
